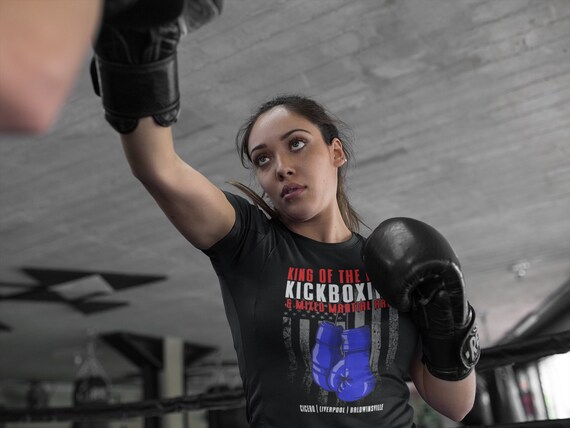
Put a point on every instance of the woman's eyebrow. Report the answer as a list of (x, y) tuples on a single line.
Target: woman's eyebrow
[(283, 137), (258, 147)]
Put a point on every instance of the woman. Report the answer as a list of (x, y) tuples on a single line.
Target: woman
[(294, 283), (317, 346)]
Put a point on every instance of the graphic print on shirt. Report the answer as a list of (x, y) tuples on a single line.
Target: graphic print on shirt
[(341, 361), (338, 332)]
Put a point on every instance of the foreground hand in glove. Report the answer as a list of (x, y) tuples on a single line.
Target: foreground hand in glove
[(135, 66), (415, 269)]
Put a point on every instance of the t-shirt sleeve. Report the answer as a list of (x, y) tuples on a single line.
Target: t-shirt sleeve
[(249, 230)]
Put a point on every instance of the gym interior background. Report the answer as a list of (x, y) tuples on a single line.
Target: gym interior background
[(461, 118)]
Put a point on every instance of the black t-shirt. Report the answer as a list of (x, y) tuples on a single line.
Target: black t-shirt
[(317, 346)]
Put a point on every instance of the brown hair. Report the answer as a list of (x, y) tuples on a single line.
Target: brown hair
[(330, 128)]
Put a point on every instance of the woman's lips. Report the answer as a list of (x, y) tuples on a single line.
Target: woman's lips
[(291, 191)]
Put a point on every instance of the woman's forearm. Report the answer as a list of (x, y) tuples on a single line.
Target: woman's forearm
[(453, 399)]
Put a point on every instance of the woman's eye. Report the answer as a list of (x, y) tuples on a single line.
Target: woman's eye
[(297, 144), (261, 160)]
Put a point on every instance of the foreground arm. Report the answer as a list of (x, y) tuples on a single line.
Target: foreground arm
[(42, 46)]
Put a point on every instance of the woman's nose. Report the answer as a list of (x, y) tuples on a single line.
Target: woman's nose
[(284, 167)]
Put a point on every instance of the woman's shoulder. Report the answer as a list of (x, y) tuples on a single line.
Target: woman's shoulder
[(244, 206)]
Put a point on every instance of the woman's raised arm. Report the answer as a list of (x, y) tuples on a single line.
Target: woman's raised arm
[(196, 207), (135, 73)]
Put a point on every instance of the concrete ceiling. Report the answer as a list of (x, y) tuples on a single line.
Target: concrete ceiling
[(461, 117)]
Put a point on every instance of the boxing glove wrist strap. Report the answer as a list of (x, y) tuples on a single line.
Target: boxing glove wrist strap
[(132, 91), (453, 357)]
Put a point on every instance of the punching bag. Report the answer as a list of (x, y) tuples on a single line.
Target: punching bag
[(91, 388)]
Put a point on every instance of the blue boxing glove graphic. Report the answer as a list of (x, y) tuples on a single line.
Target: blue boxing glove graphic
[(351, 377), (326, 353)]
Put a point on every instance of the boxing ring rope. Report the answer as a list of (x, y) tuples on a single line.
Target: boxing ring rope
[(551, 423), (497, 356), (148, 408), (524, 350)]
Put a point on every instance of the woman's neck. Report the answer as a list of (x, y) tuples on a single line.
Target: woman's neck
[(328, 229)]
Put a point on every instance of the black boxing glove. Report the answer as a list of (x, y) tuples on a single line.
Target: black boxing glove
[(135, 65), (415, 269)]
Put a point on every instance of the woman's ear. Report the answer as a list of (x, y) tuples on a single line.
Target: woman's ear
[(339, 157)]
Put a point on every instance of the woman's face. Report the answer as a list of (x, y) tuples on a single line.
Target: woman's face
[(294, 166)]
